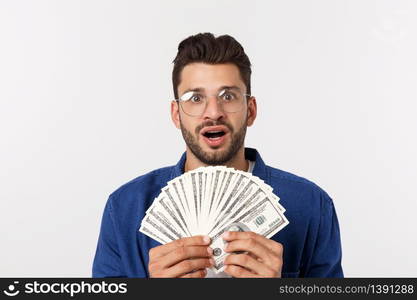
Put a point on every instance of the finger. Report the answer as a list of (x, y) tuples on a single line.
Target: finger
[(162, 250), (196, 274), (189, 265), (241, 235), (251, 246), (239, 272), (257, 251), (254, 256), (183, 253), (248, 262)]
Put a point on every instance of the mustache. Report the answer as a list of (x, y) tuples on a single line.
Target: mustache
[(212, 123)]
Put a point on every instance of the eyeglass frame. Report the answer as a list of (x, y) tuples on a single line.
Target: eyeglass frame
[(247, 96)]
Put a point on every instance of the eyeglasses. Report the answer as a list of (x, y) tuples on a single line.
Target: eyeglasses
[(194, 103)]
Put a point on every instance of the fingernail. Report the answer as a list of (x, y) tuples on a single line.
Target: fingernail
[(225, 235), (206, 239), (210, 251), (212, 262)]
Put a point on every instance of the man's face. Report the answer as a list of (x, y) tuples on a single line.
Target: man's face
[(197, 130)]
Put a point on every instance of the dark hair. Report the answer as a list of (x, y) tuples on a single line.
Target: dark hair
[(206, 48)]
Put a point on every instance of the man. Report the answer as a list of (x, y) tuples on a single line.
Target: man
[(207, 70)]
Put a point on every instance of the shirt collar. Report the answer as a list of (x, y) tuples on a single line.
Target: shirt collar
[(250, 153)]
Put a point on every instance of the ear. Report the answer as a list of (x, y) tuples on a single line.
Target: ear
[(252, 111), (175, 113)]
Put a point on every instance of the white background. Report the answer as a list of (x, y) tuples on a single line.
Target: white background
[(84, 107)]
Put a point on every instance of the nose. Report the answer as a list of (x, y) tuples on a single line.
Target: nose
[(214, 109)]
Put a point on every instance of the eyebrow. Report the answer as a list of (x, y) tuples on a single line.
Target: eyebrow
[(223, 87)]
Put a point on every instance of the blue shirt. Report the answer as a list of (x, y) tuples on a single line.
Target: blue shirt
[(311, 241)]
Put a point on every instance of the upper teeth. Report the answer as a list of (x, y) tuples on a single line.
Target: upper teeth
[(213, 131)]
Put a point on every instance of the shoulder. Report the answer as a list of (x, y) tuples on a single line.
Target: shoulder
[(145, 179), (140, 190), (290, 178), (298, 190)]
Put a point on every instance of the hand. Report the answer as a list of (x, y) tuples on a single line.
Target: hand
[(186, 257), (262, 257)]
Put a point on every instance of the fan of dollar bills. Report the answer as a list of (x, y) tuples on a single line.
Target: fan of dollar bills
[(210, 201)]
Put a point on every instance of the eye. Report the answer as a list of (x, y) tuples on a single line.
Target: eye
[(196, 98), (228, 96), (192, 97)]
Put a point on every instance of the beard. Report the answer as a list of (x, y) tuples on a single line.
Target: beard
[(219, 157)]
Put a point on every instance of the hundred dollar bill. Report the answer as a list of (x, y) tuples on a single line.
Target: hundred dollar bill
[(166, 221), (233, 185), (176, 209), (149, 224), (189, 192), (208, 200), (164, 205), (177, 195), (185, 196), (225, 187), (253, 196), (234, 201), (194, 191), (145, 230), (208, 187), (263, 218)]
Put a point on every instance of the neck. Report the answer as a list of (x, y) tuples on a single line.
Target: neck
[(238, 162)]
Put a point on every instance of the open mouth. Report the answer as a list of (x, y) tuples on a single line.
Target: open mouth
[(214, 134)]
